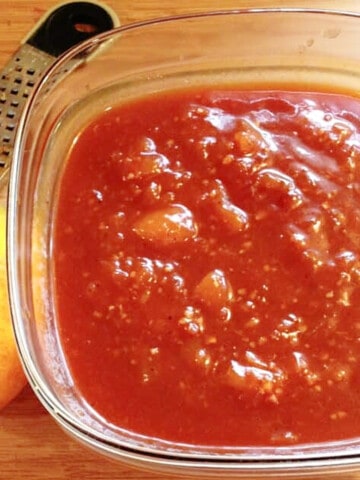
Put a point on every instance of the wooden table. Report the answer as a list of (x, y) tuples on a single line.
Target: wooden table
[(32, 446)]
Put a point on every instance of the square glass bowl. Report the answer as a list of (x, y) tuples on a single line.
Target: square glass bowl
[(250, 48)]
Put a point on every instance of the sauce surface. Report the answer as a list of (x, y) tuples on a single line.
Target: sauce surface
[(207, 266)]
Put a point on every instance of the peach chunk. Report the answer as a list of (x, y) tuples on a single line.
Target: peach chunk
[(266, 381), (142, 161), (143, 165), (214, 290), (167, 226), (275, 182), (233, 217)]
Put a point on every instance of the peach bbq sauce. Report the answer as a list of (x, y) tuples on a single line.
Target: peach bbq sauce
[(207, 266)]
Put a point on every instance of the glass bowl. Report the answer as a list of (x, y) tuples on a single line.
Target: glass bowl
[(258, 47)]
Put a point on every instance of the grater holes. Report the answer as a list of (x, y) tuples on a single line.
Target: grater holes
[(5, 151), (16, 85), (4, 158)]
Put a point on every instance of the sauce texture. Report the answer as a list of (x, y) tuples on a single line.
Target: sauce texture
[(207, 266)]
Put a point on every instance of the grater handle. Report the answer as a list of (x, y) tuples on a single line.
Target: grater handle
[(61, 28), (69, 24)]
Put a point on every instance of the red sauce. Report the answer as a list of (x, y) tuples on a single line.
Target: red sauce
[(207, 261)]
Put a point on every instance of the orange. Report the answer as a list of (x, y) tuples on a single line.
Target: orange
[(12, 378)]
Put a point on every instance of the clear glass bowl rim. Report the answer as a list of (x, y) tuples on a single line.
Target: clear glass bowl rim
[(272, 464)]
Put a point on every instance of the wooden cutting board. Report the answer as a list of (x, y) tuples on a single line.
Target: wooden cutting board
[(32, 446)]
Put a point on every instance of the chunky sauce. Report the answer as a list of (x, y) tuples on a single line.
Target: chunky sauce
[(207, 261)]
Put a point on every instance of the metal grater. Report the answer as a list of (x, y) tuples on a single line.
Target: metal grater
[(17, 80), (60, 29)]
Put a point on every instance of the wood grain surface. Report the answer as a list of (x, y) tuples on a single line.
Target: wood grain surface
[(32, 446)]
